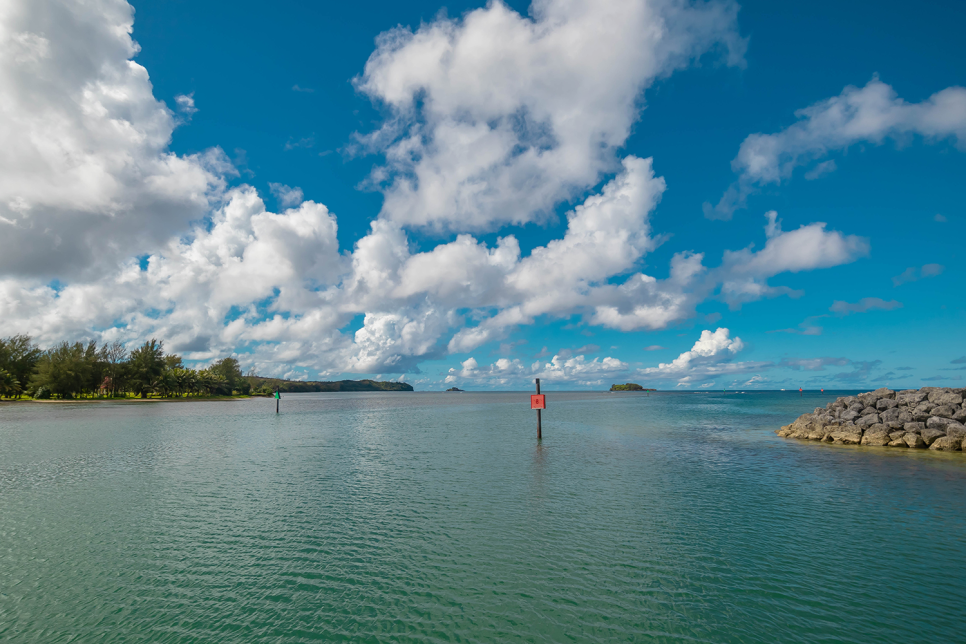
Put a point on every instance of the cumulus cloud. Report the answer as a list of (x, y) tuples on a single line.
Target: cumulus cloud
[(247, 276), (85, 174), (868, 114), (863, 305), (497, 117), (560, 369), (712, 355), (654, 347), (913, 274)]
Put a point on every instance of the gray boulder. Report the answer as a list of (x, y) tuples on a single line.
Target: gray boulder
[(921, 412), (868, 398), (915, 428), (885, 403), (943, 411), (954, 430), (856, 406), (870, 419), (896, 435), (844, 436), (960, 416), (945, 398), (851, 414), (938, 422), (911, 397), (947, 444), (914, 440), (889, 414), (876, 435), (929, 435), (905, 416)]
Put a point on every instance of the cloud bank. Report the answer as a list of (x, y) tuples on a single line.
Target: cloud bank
[(492, 119)]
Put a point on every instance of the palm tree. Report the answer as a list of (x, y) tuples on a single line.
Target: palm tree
[(9, 386), (186, 380)]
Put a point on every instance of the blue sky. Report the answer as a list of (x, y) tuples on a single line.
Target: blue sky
[(281, 98)]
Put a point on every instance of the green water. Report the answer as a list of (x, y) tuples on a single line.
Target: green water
[(417, 517)]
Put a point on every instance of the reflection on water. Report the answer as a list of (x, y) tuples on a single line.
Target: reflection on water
[(439, 517)]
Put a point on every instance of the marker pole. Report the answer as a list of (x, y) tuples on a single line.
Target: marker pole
[(539, 423)]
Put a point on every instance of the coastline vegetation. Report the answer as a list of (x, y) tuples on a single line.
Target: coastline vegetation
[(260, 384), (71, 371), (78, 371)]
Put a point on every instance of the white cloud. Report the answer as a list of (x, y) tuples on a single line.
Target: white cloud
[(872, 113), (551, 106), (710, 356), (744, 273), (186, 104), (497, 117), (286, 195), (560, 369), (86, 178)]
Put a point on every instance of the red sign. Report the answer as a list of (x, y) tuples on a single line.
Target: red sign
[(538, 401)]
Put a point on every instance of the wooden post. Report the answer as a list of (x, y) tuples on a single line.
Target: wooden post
[(539, 424)]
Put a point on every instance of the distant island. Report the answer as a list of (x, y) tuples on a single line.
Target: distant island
[(454, 389), (630, 386), (302, 386)]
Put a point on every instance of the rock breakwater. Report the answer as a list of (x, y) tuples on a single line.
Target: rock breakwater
[(931, 417)]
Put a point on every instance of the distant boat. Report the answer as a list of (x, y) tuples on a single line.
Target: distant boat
[(455, 389)]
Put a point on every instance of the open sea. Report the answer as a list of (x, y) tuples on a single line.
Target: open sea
[(437, 517)]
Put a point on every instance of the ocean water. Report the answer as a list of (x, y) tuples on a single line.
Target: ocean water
[(430, 517)]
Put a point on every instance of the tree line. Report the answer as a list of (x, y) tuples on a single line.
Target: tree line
[(72, 370)]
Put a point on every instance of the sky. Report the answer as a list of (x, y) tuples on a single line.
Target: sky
[(687, 195)]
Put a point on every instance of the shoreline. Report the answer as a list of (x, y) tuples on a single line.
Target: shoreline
[(127, 400)]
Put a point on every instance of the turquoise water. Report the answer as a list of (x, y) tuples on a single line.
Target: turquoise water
[(419, 517)]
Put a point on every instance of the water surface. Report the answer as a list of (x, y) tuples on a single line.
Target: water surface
[(423, 517)]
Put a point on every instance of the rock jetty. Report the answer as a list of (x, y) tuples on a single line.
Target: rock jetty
[(931, 417)]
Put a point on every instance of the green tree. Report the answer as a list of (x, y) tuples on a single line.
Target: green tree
[(19, 356), (9, 386), (64, 370), (212, 383), (229, 369), (114, 356), (145, 367), (186, 380)]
